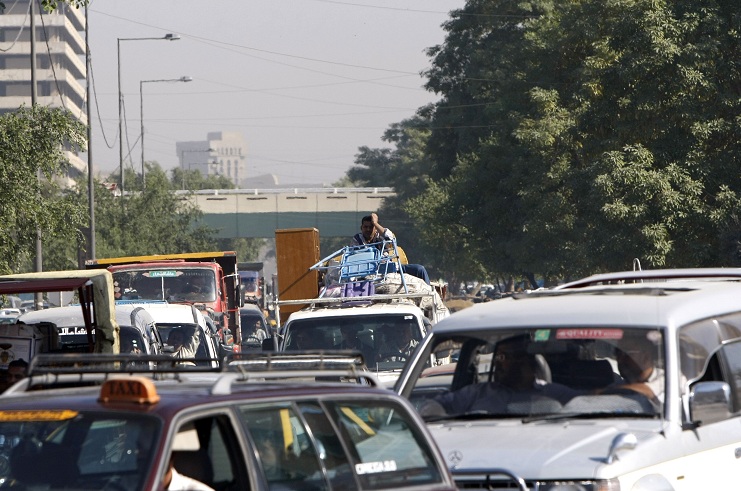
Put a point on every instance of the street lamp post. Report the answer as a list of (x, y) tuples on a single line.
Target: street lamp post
[(141, 108), (166, 37)]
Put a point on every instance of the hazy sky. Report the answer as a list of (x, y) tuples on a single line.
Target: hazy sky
[(306, 82)]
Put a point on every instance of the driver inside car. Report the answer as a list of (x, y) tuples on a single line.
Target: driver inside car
[(514, 385), (397, 342)]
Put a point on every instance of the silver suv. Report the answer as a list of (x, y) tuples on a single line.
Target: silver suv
[(627, 381)]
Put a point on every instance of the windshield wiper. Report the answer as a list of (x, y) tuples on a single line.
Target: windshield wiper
[(471, 415), (592, 414)]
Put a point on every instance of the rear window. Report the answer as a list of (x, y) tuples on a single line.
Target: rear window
[(70, 450)]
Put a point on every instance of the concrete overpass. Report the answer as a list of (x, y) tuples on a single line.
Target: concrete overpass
[(258, 213)]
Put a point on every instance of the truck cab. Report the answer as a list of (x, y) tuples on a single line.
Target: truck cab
[(209, 281)]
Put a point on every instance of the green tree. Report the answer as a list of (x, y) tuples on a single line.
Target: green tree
[(248, 250), (32, 141), (193, 180), (149, 221), (52, 5), (573, 136)]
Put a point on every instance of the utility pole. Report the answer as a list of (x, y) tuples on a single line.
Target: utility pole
[(38, 297), (90, 180)]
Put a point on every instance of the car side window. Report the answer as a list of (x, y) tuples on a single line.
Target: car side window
[(331, 450), (730, 361), (386, 448), (207, 451), (287, 455), (698, 340)]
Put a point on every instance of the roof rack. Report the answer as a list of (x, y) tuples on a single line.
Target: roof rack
[(73, 363), (321, 366), (296, 360), (70, 370), (655, 275), (344, 300)]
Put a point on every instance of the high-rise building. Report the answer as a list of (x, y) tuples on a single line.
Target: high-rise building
[(222, 153), (60, 62)]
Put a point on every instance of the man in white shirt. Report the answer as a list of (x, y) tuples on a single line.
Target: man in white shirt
[(372, 232), (636, 360), (174, 481)]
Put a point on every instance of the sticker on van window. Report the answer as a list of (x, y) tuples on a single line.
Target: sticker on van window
[(375, 467), (163, 273), (589, 334), (542, 335), (66, 331)]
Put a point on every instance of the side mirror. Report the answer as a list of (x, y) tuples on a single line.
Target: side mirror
[(267, 344), (228, 336), (710, 402)]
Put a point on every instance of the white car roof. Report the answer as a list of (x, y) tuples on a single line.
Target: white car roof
[(373, 309), (672, 303), (168, 313), (71, 315)]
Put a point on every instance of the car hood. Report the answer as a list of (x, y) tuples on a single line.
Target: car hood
[(562, 449)]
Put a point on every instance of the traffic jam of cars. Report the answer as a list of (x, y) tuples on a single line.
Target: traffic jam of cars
[(621, 381)]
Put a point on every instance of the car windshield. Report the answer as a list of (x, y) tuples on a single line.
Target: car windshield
[(386, 341), (65, 449), (569, 372), (171, 284)]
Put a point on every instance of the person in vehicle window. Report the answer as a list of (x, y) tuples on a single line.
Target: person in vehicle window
[(184, 345), (198, 288), (174, 481), (252, 331), (372, 232), (397, 342), (636, 361), (17, 370), (515, 382), (351, 341)]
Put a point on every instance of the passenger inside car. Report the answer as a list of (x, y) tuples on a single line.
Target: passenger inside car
[(636, 361)]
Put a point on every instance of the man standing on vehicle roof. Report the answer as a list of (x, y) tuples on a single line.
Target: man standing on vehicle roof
[(372, 232)]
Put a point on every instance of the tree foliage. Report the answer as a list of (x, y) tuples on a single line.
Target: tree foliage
[(147, 221), (32, 141), (150, 219), (193, 180), (571, 137)]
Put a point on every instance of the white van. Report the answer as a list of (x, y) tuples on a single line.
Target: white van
[(370, 326), (138, 332), (627, 382)]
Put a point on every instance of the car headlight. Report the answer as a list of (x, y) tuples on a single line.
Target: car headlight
[(601, 485)]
